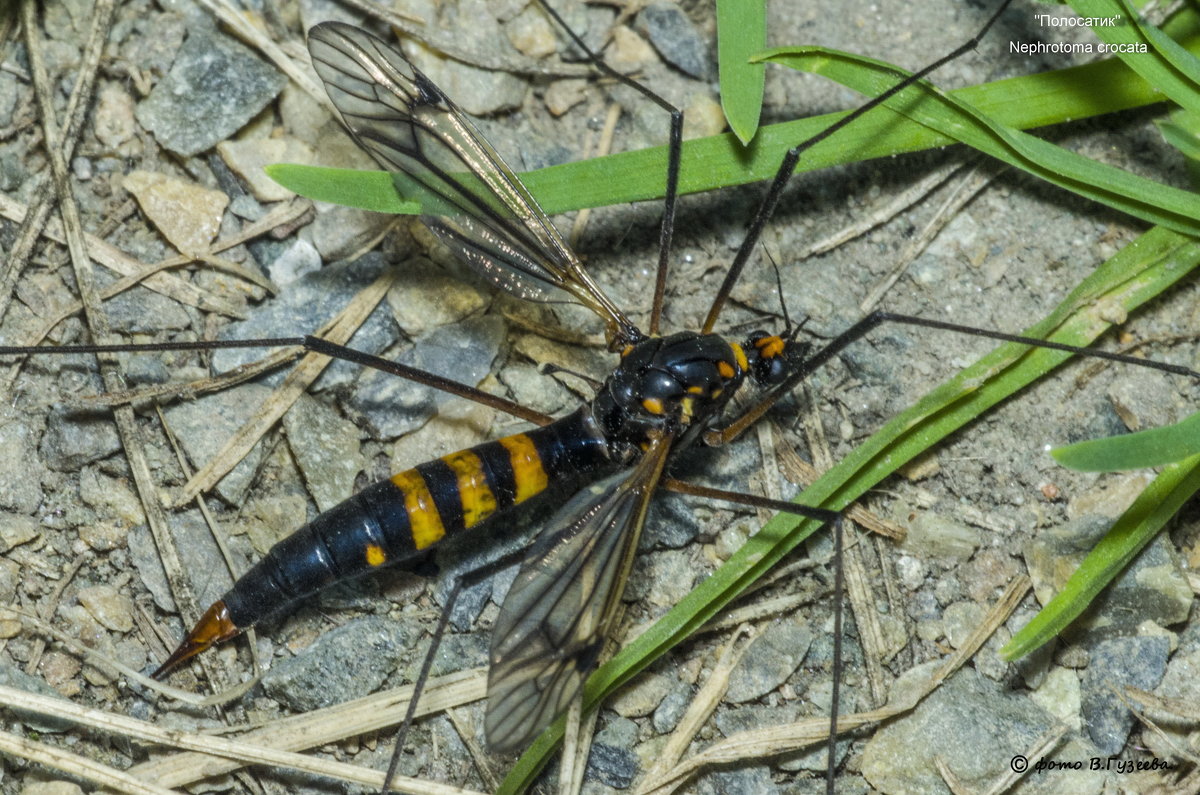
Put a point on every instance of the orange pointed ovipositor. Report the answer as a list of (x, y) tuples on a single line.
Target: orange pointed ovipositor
[(213, 627)]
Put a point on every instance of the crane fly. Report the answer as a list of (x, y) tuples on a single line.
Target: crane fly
[(666, 393), (665, 396)]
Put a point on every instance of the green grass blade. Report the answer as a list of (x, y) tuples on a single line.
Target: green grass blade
[(1142, 270), (1146, 50), (741, 32), (366, 190), (716, 162), (1154, 447), (1182, 131), (1136, 528), (1154, 202), (721, 161)]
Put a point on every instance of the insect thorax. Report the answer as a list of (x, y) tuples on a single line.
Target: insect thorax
[(667, 384)]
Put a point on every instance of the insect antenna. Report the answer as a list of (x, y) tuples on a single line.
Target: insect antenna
[(788, 166), (789, 332)]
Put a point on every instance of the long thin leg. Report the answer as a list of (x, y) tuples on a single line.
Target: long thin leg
[(835, 520), (674, 153), (839, 587), (476, 575), (308, 343), (732, 430), (788, 167), (461, 583), (753, 500)]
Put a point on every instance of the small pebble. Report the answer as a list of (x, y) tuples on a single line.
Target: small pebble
[(186, 214), (248, 158), (112, 609)]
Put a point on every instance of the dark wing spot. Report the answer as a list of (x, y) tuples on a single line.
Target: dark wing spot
[(427, 92)]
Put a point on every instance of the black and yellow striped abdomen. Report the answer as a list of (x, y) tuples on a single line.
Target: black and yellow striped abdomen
[(392, 521)]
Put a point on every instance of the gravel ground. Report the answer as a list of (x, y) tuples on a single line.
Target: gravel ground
[(987, 505)]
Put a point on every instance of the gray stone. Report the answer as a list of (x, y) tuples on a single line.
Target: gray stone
[(21, 470), (671, 708), (751, 717), (67, 20), (975, 727), (145, 559), (1117, 663), (989, 661), (611, 765), (339, 232), (13, 174), (662, 578), (110, 497), (17, 531), (429, 297), (537, 391), (198, 552), (142, 311), (73, 439), (214, 87), (771, 659), (81, 168), (326, 448), (144, 368), (947, 589), (933, 537), (472, 597), (641, 696), (923, 606), (1059, 695), (670, 522), (459, 652), (821, 656), (618, 732), (911, 571), (11, 676), (740, 781), (304, 306), (204, 426), (478, 91), (345, 663), (464, 352), (246, 206), (676, 39), (8, 98), (297, 260), (110, 608)]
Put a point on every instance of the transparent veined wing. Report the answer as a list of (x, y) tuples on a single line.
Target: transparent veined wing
[(470, 198), (559, 609)]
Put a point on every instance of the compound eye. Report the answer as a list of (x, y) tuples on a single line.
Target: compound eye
[(771, 366), (773, 371)]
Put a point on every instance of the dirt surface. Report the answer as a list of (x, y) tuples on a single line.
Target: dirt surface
[(79, 554)]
